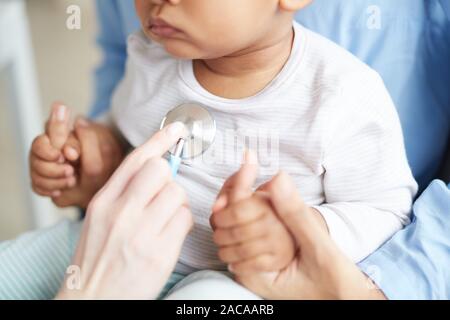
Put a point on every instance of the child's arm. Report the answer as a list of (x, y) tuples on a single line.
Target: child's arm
[(368, 185)]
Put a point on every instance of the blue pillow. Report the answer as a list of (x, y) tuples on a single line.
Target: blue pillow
[(408, 43)]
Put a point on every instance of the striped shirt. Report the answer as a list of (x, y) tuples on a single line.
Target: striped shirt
[(326, 119)]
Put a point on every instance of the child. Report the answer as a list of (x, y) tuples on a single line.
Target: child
[(330, 120)]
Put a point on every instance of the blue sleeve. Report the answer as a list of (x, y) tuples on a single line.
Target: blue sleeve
[(414, 264), (112, 42)]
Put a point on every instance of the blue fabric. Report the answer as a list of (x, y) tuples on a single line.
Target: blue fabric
[(117, 19), (411, 51), (414, 264), (171, 282)]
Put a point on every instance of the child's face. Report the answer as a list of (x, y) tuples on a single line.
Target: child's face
[(206, 29)]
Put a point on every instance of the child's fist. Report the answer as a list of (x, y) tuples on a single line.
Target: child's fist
[(70, 163), (246, 229), (251, 238), (49, 172)]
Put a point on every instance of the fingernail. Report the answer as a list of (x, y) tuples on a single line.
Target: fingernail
[(72, 153), (82, 122), (56, 193), (175, 129), (60, 113)]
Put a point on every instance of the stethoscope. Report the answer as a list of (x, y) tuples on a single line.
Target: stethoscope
[(200, 130)]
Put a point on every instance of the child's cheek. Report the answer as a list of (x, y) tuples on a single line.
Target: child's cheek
[(141, 9)]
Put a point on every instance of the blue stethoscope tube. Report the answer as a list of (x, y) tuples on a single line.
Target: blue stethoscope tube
[(175, 158)]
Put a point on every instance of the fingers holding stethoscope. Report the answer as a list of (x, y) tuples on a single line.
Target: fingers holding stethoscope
[(139, 214), (166, 219), (120, 184), (141, 195)]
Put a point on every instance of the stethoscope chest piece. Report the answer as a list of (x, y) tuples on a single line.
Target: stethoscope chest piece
[(200, 129)]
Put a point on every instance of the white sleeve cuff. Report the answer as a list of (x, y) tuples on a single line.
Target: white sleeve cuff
[(341, 233)]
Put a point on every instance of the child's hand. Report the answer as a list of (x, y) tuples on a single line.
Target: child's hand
[(71, 165), (50, 173), (319, 270), (99, 155), (246, 229), (251, 238)]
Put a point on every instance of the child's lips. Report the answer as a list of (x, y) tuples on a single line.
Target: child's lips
[(162, 29)]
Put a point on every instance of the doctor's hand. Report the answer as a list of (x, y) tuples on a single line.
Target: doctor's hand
[(319, 269), (69, 163), (134, 228)]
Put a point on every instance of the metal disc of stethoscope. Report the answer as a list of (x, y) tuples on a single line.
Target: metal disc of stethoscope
[(200, 128)]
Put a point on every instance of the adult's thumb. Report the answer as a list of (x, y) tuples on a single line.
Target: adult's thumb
[(291, 209)]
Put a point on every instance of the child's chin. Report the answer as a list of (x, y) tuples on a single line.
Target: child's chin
[(182, 51)]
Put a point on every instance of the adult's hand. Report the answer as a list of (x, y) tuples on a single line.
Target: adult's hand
[(134, 228), (319, 270)]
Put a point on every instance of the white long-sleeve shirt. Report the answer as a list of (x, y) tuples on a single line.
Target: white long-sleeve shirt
[(326, 119)]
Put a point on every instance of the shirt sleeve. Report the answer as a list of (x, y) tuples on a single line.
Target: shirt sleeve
[(414, 263), (112, 42), (368, 184)]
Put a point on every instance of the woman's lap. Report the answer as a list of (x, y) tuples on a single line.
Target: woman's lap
[(33, 265)]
